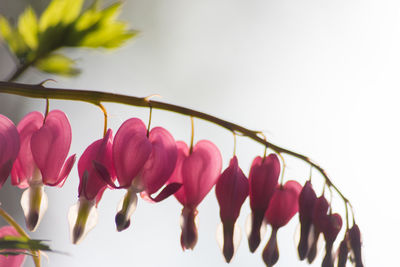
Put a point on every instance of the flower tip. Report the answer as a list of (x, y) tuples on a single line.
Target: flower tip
[(77, 234), (122, 222), (32, 220)]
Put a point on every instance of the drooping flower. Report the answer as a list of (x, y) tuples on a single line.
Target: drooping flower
[(198, 172), (263, 178), (45, 143), (9, 147), (355, 244), (142, 164), (320, 214), (351, 244), (282, 207), (231, 190), (97, 157), (307, 200), (343, 252), (10, 260), (331, 229)]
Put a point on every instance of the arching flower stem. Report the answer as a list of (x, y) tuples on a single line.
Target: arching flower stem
[(97, 98)]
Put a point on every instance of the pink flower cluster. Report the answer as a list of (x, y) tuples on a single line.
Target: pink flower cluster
[(143, 162)]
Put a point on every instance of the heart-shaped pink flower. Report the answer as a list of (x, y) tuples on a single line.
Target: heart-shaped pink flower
[(320, 214), (197, 172), (263, 178), (231, 190), (9, 147), (332, 226), (283, 206), (307, 201), (91, 182), (143, 163), (45, 143)]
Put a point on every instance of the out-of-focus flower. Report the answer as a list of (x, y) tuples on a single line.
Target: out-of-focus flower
[(198, 172), (332, 227), (45, 143), (320, 214), (142, 164), (355, 244), (95, 163), (307, 200), (231, 189), (283, 205), (10, 260), (9, 147), (263, 178), (343, 252)]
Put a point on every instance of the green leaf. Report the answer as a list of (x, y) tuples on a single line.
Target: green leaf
[(57, 64), (108, 36), (28, 27), (99, 28), (13, 242), (60, 12), (5, 28), (13, 39)]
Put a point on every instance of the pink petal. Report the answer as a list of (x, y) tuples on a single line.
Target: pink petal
[(101, 152), (284, 204), (24, 165), (10, 261), (50, 145), (176, 176), (231, 189), (131, 149), (161, 163), (69, 163), (200, 171), (263, 178), (9, 147), (168, 190)]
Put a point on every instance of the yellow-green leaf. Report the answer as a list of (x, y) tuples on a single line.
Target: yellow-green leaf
[(108, 36), (57, 64), (60, 12), (28, 27), (5, 28)]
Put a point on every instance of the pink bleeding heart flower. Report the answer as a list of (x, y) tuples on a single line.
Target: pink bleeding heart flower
[(355, 244), (143, 163), (45, 143), (98, 156), (283, 205), (10, 260), (9, 147), (307, 201), (231, 190), (320, 214), (333, 224), (263, 178), (343, 252), (198, 172)]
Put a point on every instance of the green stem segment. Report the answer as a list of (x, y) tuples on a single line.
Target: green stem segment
[(96, 98)]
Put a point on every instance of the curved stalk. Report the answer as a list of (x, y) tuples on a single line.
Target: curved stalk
[(96, 98)]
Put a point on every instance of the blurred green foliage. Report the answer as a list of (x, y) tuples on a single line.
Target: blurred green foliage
[(13, 245), (34, 40)]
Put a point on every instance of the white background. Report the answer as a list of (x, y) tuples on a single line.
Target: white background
[(319, 77)]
